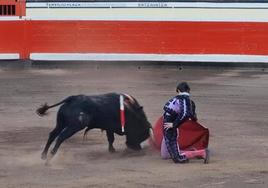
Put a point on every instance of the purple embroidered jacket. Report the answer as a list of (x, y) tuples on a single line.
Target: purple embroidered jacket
[(179, 109)]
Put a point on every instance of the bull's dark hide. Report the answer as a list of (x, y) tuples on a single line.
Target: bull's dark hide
[(98, 111)]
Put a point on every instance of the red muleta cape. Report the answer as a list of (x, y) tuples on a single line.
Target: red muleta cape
[(192, 135)]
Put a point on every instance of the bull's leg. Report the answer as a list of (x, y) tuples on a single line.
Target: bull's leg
[(66, 133), (52, 135), (85, 120), (110, 136)]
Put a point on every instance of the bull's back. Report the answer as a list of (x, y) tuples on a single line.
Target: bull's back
[(104, 109)]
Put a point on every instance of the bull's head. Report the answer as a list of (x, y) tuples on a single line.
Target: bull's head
[(137, 125)]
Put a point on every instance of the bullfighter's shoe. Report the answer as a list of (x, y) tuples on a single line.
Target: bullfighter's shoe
[(183, 161), (207, 156)]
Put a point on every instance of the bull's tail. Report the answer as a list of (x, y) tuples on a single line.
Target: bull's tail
[(41, 111)]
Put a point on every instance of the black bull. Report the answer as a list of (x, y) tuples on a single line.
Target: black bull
[(100, 111)]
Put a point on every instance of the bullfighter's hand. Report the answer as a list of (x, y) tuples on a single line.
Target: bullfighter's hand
[(168, 126)]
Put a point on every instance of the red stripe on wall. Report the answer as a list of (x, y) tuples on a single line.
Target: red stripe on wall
[(150, 37), (11, 36)]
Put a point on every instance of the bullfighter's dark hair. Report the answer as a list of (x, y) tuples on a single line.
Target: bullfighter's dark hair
[(183, 87)]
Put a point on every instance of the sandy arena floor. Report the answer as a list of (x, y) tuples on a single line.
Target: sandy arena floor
[(232, 103)]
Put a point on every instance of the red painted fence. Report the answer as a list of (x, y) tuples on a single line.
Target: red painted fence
[(145, 37)]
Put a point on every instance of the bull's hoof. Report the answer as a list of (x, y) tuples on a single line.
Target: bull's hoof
[(49, 157), (47, 163), (44, 156), (111, 150)]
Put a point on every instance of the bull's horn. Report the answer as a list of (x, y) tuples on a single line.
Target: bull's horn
[(129, 97)]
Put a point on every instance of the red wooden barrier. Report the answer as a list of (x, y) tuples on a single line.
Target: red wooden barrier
[(145, 37)]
